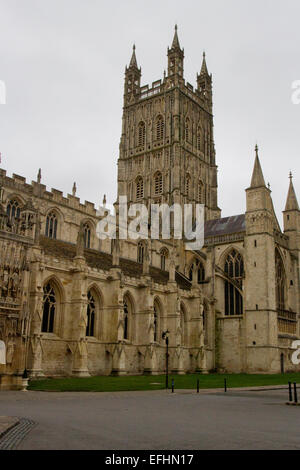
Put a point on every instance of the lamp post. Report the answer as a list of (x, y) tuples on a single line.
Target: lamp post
[(166, 338)]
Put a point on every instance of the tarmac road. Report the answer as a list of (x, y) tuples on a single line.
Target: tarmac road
[(156, 420)]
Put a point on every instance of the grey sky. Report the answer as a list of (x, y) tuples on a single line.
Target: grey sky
[(63, 64)]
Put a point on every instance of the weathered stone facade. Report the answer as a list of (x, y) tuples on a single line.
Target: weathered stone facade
[(72, 304)]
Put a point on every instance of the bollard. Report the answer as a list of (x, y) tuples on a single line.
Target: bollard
[(225, 385), (290, 392), (172, 385), (295, 393), (197, 385)]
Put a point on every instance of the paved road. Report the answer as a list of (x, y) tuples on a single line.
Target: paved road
[(156, 420)]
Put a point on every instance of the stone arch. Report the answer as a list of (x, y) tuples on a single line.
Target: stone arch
[(200, 270), (226, 252), (14, 204), (128, 316), (52, 306), (15, 196), (98, 328), (233, 270)]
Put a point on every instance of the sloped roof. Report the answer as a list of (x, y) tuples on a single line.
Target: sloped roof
[(225, 226), (100, 260)]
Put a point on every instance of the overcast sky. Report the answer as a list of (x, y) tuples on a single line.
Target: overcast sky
[(63, 64)]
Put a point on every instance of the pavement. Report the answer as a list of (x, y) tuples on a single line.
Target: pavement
[(7, 423), (156, 420)]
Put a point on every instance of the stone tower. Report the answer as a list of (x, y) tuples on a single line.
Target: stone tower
[(167, 152), (291, 222), (260, 299)]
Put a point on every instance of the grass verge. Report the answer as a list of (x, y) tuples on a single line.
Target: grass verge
[(157, 382)]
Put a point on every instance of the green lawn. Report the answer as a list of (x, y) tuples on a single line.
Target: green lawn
[(141, 382)]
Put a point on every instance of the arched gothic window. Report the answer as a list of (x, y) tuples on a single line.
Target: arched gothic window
[(13, 209), (49, 308), (234, 269), (141, 134), (163, 257), (280, 282), (126, 313), (140, 252), (91, 314), (139, 188), (160, 128), (51, 225), (127, 318), (156, 320), (158, 183), (87, 235), (200, 271), (183, 325)]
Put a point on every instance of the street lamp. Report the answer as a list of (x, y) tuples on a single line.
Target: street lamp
[(166, 338)]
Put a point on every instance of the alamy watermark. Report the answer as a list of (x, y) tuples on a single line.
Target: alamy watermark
[(296, 354), (2, 92), (296, 92), (137, 221)]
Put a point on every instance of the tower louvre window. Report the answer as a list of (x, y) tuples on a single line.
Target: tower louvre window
[(160, 128), (139, 188), (141, 134), (158, 184)]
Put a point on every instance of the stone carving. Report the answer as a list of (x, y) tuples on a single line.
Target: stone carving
[(10, 351)]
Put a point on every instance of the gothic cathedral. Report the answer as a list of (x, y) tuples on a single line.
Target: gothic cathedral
[(72, 304)]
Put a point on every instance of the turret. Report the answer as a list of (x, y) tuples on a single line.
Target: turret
[(133, 75), (259, 201), (175, 59), (204, 84), (291, 216), (259, 290)]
